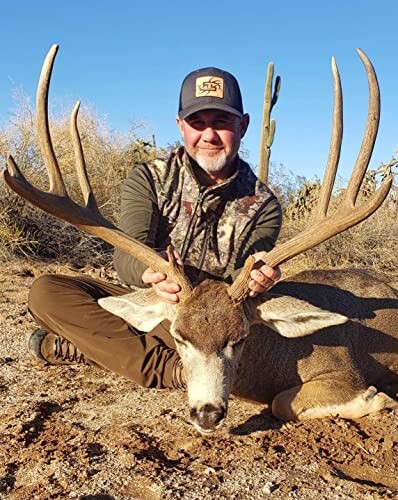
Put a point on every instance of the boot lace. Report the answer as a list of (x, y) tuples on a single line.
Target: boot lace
[(65, 350)]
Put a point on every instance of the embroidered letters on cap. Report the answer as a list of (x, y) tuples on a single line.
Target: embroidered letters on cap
[(210, 86)]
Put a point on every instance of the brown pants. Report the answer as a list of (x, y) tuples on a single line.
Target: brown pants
[(67, 306)]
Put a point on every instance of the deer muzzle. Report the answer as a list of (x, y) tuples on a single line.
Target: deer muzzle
[(208, 418)]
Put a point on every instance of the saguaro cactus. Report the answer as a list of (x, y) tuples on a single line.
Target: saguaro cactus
[(268, 125)]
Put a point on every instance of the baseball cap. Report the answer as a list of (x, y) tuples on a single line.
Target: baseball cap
[(210, 88)]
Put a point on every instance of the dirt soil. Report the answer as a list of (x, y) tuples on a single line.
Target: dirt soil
[(79, 432)]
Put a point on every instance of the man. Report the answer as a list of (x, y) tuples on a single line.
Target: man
[(204, 200)]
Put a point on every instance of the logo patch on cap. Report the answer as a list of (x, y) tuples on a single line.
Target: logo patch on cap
[(210, 86)]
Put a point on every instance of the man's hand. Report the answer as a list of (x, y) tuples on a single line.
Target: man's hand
[(263, 277), (164, 289)]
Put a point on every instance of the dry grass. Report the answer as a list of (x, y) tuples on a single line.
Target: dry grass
[(109, 157), (12, 240), (372, 245)]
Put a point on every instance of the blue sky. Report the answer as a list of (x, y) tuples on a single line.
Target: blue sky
[(128, 58)]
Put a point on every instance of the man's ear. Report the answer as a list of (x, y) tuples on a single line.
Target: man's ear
[(141, 309), (290, 317), (244, 123), (180, 125)]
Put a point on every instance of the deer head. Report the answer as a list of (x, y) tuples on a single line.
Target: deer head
[(209, 328), (211, 321)]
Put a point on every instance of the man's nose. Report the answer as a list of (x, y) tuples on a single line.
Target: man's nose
[(210, 134)]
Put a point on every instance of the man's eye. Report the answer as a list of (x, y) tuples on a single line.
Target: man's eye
[(221, 123), (196, 124)]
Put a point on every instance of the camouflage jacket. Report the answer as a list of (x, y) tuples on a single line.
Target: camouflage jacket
[(214, 228)]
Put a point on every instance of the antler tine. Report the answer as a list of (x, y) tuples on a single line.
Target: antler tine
[(335, 145), (57, 185), (239, 289), (56, 201), (370, 134), (81, 169), (347, 215)]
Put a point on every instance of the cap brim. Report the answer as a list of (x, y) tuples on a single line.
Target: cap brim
[(201, 106)]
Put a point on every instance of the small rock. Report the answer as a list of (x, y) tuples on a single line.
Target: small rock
[(269, 487)]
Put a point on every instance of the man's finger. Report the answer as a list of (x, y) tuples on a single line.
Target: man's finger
[(167, 287), (151, 276), (262, 279), (272, 273), (254, 286), (171, 298)]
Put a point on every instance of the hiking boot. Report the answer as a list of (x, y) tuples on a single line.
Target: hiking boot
[(54, 350)]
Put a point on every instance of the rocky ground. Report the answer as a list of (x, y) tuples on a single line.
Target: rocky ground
[(78, 432)]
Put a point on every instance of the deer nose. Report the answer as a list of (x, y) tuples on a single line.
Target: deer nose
[(207, 417)]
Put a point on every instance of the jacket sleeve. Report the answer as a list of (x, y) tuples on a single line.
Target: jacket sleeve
[(261, 235), (139, 218)]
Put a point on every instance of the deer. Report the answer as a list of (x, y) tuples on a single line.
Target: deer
[(322, 343)]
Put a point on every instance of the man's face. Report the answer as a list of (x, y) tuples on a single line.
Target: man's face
[(212, 138)]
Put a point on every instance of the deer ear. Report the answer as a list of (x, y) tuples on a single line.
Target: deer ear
[(291, 317), (142, 309)]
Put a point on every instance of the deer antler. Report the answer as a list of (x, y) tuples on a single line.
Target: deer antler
[(348, 214), (57, 202)]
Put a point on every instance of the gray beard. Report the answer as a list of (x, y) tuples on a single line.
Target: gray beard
[(212, 164)]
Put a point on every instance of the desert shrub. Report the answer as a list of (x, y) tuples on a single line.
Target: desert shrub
[(12, 240), (31, 232), (373, 244), (285, 184), (303, 203), (109, 157)]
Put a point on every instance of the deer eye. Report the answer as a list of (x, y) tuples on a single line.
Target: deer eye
[(180, 342), (238, 344)]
